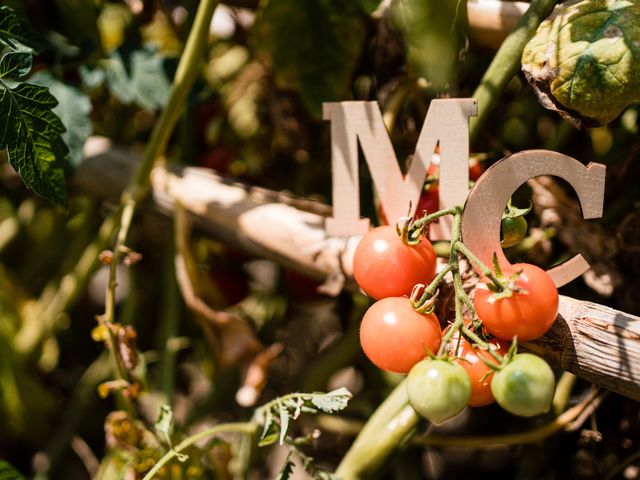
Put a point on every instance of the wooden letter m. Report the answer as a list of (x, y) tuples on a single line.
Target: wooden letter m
[(446, 123)]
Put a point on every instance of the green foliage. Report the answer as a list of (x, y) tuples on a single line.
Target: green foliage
[(31, 131), (74, 109), (7, 472), (287, 469), (291, 406), (15, 32), (138, 76), (583, 61), (431, 32), (313, 47)]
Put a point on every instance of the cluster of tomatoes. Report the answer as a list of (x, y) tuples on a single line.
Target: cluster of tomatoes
[(478, 364)]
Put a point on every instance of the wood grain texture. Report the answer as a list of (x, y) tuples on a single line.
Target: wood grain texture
[(595, 342)]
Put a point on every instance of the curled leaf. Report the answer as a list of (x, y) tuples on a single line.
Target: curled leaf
[(583, 60)]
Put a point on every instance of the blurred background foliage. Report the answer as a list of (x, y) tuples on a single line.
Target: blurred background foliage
[(255, 114)]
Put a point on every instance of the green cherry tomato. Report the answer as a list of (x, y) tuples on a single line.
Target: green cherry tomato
[(525, 386), (513, 231), (438, 389)]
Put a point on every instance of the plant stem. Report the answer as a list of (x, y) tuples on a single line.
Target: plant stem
[(484, 345), (430, 290), (496, 441), (434, 216), (55, 299), (388, 427), (245, 427), (171, 307), (486, 271), (506, 63), (73, 284)]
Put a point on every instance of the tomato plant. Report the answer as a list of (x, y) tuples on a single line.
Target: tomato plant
[(525, 386), (438, 389), (429, 202), (384, 266), (528, 312), (395, 337)]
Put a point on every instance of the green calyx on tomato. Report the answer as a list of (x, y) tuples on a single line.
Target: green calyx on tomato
[(438, 389), (513, 227), (528, 312), (525, 386)]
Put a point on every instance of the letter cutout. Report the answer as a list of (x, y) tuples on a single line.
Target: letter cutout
[(483, 211), (447, 122)]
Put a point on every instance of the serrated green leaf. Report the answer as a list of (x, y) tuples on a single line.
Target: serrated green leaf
[(584, 60), (313, 46), (333, 401), (7, 472), (164, 422), (32, 134), (138, 76), (286, 470), (15, 31), (74, 109), (268, 421), (283, 412), (15, 64)]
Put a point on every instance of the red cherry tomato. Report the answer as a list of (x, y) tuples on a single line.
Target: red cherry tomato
[(429, 202), (527, 314), (384, 266), (476, 169), (470, 360), (395, 337)]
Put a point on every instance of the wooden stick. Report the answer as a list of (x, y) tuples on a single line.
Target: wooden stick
[(593, 341), (490, 21)]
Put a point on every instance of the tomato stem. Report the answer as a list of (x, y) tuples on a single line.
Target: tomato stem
[(475, 338), (486, 271), (419, 225), (433, 286)]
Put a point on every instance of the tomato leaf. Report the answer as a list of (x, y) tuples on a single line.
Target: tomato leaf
[(583, 61), (7, 472), (138, 76), (164, 422), (286, 470), (15, 32), (32, 134), (284, 422), (74, 109), (312, 46), (29, 129), (333, 401)]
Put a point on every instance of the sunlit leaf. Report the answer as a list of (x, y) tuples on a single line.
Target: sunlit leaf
[(32, 133), (74, 109), (333, 401), (138, 76)]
